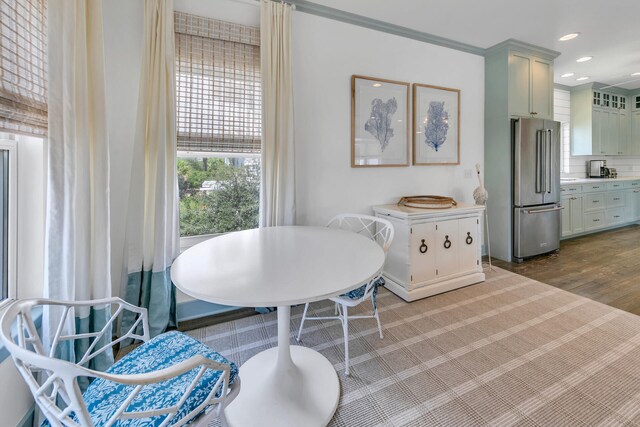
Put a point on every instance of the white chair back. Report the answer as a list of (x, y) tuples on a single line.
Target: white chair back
[(378, 229), (53, 381)]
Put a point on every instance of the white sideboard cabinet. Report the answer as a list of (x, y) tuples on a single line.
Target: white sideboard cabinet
[(434, 250)]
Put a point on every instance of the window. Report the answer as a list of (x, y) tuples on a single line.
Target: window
[(23, 67), (219, 120), (8, 209), (23, 111)]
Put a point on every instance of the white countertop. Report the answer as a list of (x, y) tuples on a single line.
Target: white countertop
[(405, 212), (569, 181)]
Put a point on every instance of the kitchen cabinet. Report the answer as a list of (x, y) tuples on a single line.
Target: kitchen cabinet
[(433, 251), (624, 124), (530, 86), (600, 123), (633, 201), (634, 140), (572, 216), (594, 206)]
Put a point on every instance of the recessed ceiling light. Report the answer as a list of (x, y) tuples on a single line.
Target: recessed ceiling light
[(568, 74), (584, 59), (582, 78), (635, 74), (377, 84), (568, 37)]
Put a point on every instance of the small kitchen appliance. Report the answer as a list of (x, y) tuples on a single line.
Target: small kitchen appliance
[(613, 173), (598, 169)]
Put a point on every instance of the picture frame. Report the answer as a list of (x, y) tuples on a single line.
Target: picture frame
[(436, 125), (379, 122)]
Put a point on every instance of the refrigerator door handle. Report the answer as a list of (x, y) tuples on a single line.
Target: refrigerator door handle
[(544, 161), (532, 211), (549, 161), (538, 163)]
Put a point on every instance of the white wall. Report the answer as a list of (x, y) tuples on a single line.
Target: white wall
[(325, 55), (15, 397), (562, 114)]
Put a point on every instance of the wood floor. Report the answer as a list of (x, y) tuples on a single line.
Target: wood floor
[(604, 267)]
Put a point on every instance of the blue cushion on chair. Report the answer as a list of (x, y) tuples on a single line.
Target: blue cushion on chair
[(359, 292), (104, 397)]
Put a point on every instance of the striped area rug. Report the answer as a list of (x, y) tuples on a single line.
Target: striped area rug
[(509, 351)]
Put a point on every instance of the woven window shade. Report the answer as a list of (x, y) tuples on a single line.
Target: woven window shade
[(218, 85), (23, 66)]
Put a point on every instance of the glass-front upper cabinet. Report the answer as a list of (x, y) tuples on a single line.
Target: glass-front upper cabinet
[(623, 102), (596, 99), (606, 100), (614, 101)]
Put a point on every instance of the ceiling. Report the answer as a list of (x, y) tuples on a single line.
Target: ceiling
[(609, 30)]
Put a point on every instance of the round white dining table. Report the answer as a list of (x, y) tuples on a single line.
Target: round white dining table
[(280, 266)]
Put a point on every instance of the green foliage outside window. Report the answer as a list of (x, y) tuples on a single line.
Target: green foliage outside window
[(218, 196)]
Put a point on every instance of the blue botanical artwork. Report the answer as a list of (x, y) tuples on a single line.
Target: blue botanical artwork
[(435, 131), (379, 123)]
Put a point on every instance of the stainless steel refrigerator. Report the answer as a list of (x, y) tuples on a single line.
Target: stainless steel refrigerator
[(536, 187)]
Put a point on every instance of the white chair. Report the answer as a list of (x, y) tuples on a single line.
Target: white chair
[(168, 380), (379, 230)]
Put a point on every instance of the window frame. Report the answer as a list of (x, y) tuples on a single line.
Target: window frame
[(12, 247)]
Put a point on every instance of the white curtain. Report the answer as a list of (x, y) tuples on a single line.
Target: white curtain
[(77, 248), (277, 195), (153, 229)]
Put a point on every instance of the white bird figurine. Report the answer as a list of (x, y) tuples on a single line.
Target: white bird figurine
[(480, 195)]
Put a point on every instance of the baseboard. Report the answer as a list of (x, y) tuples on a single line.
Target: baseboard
[(600, 230), (194, 309), (27, 420)]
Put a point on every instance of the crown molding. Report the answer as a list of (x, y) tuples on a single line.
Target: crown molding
[(520, 45), (374, 24)]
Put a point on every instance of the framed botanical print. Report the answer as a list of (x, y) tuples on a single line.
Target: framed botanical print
[(436, 125), (379, 122)]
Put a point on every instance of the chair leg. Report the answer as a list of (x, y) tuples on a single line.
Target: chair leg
[(345, 329), (304, 316), (375, 314), (335, 309)]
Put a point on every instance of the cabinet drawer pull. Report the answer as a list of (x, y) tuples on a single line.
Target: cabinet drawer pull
[(423, 247), (447, 242), (596, 220), (616, 198), (596, 201), (469, 239)]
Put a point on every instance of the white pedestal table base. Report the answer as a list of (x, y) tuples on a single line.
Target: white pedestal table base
[(285, 386)]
